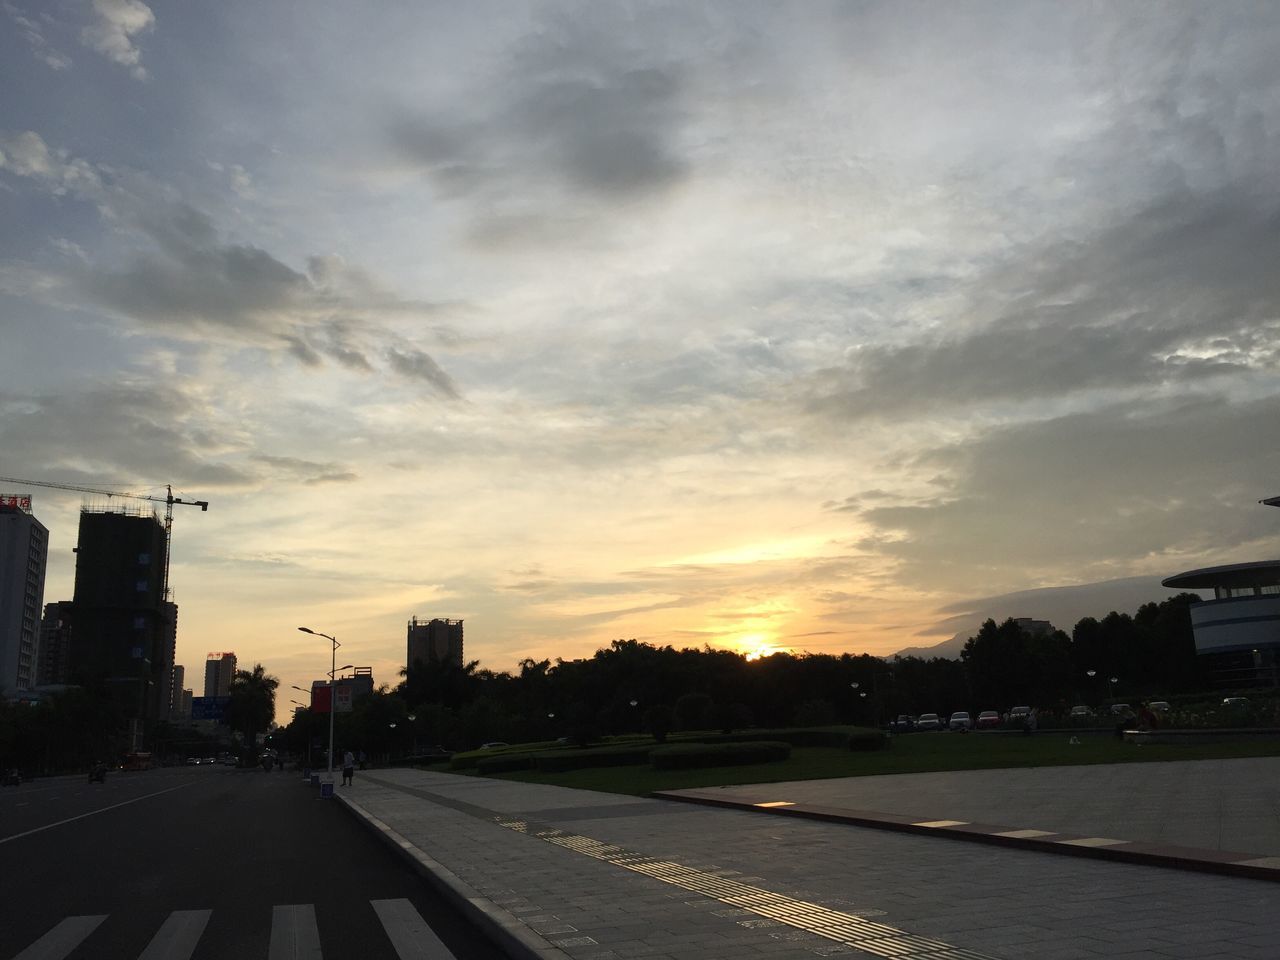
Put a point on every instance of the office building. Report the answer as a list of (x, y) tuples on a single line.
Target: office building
[(54, 662), (1237, 633), (24, 548), (434, 641), (177, 677), (122, 626), (219, 670)]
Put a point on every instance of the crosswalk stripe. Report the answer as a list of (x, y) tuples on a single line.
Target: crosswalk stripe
[(62, 939), (178, 935), (409, 933), (294, 935)]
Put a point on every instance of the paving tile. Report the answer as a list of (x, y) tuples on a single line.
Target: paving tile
[(1012, 904)]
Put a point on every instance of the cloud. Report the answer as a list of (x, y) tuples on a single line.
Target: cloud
[(1182, 291), (309, 472), (419, 366), (27, 155), (127, 430), (576, 122), (33, 33), (1126, 490), (113, 33), (188, 281)]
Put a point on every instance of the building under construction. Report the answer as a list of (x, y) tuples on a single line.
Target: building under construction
[(434, 641), (122, 626)]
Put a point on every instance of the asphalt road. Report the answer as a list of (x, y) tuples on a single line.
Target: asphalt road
[(205, 863)]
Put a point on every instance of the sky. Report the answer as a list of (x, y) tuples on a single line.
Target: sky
[(814, 326)]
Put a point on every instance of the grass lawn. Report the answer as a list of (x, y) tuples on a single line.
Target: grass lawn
[(914, 753)]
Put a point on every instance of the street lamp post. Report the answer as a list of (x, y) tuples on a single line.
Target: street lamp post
[(333, 659)]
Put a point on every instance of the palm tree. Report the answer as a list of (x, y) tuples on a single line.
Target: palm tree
[(253, 703)]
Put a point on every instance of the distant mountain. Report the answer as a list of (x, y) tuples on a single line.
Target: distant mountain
[(1064, 607)]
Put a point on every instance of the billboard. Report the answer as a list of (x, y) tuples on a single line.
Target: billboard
[(210, 708), (20, 500), (342, 696)]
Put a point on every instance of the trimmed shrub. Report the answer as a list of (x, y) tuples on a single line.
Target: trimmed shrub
[(504, 763), (867, 740), (689, 756), (812, 737), (658, 719), (614, 756)]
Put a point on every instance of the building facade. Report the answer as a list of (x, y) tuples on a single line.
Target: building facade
[(177, 680), (24, 551), (434, 641), (122, 626), (54, 664), (219, 670), (1237, 633)]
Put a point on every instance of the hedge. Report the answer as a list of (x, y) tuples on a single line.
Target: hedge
[(840, 737), (576, 759), (687, 756), (504, 763), (867, 740)]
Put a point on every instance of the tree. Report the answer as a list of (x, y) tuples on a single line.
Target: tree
[(253, 704)]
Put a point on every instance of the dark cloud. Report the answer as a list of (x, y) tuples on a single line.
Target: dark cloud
[(1182, 291), (1098, 493), (113, 432), (577, 120), (416, 365), (309, 472)]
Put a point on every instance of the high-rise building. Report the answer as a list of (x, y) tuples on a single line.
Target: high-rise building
[(434, 640), (219, 669), (54, 664), (184, 712), (122, 626), (24, 549), (177, 677)]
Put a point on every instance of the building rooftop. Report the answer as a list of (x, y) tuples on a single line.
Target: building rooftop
[(1257, 573)]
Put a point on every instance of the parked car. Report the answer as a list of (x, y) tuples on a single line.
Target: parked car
[(929, 721), (1159, 706), (1238, 703), (1080, 711), (1018, 714), (960, 720), (988, 719), (903, 723), (494, 745), (1122, 709)]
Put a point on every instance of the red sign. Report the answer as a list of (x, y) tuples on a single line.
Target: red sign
[(20, 500)]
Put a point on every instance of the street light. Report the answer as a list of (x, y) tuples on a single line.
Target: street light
[(333, 659)]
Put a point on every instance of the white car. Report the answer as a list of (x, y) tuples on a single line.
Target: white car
[(960, 720), (929, 721)]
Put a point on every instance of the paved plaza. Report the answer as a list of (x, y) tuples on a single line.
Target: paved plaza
[(570, 873)]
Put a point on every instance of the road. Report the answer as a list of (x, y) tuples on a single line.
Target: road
[(207, 862)]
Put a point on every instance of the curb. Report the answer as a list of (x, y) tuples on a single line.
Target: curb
[(1247, 865), (510, 935)]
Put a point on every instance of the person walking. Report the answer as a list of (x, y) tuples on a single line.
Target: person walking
[(348, 768)]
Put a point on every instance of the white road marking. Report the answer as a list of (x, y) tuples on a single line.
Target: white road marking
[(123, 803), (408, 932), (178, 935), (62, 939), (294, 935)]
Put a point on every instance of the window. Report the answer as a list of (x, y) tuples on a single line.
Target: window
[(141, 586), (144, 559)]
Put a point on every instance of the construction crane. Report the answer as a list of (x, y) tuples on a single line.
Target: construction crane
[(168, 500)]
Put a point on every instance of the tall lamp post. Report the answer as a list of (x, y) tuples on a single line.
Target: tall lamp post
[(333, 660)]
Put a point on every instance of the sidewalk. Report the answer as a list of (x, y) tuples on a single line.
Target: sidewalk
[(556, 873)]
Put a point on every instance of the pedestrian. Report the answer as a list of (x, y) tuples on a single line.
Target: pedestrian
[(364, 760), (348, 768)]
